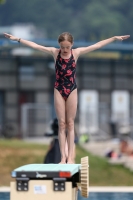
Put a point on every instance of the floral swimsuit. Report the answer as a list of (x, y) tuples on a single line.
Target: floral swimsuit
[(65, 75)]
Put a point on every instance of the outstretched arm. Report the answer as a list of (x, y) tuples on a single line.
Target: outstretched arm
[(98, 45), (50, 50)]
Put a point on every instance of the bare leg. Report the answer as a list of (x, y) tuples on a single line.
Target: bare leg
[(60, 112), (74, 153), (66, 149), (66, 152), (71, 108)]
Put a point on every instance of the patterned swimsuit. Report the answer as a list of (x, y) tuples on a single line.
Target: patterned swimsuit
[(65, 75)]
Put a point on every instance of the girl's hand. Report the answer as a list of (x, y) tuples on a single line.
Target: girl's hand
[(122, 37), (11, 37)]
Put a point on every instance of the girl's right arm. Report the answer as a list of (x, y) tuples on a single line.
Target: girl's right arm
[(50, 50)]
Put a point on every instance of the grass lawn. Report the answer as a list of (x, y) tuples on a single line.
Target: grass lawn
[(15, 153)]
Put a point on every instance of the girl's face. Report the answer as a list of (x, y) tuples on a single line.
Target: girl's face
[(65, 47)]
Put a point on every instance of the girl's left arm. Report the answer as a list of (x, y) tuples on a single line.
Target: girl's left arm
[(82, 50)]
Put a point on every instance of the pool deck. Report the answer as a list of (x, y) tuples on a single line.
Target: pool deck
[(102, 147), (92, 189)]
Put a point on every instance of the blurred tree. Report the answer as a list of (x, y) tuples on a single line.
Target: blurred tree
[(86, 20), (2, 1)]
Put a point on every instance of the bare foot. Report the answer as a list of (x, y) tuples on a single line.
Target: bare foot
[(62, 162), (70, 161)]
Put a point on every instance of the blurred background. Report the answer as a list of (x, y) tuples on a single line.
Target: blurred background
[(104, 77), (104, 120)]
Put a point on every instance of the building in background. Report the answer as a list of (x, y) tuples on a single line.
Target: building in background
[(23, 30)]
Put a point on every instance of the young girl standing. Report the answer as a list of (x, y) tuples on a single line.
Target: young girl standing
[(65, 88)]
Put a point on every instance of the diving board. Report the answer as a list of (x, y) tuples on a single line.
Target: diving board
[(50, 181)]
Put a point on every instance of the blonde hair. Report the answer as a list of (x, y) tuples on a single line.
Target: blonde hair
[(65, 36)]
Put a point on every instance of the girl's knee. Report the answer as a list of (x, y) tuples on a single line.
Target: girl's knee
[(70, 124), (62, 125)]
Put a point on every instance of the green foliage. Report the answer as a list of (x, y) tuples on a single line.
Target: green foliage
[(86, 20), (2, 1)]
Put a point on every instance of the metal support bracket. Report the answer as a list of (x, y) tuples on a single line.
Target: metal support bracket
[(22, 184), (59, 184)]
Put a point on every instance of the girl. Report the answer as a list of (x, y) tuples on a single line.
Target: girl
[(65, 88)]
